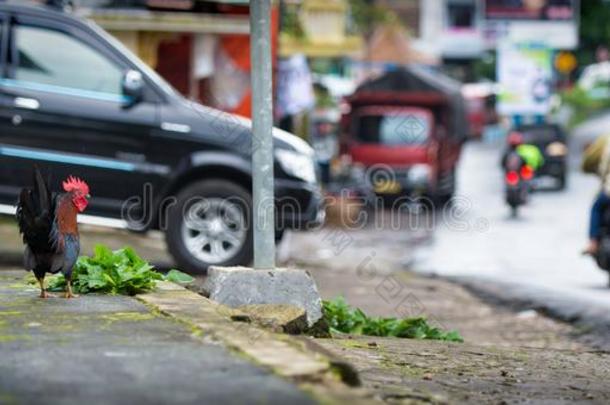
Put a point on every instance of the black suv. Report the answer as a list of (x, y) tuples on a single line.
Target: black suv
[(74, 101)]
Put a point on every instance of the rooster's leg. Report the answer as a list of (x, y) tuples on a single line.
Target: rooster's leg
[(43, 291), (69, 293)]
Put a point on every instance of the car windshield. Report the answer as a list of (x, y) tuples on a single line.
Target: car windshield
[(394, 129)]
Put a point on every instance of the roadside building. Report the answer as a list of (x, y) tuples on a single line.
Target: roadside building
[(323, 31), (317, 47), (448, 31), (200, 47)]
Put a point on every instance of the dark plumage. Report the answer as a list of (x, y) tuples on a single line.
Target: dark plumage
[(49, 227)]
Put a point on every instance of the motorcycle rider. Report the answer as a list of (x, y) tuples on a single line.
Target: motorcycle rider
[(529, 155), (511, 157)]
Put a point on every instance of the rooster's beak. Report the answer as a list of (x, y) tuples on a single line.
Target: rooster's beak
[(88, 196)]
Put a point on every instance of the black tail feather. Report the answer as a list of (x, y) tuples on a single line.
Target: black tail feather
[(35, 213), (41, 191)]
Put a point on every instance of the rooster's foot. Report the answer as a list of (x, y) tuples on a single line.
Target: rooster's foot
[(69, 293), (43, 290)]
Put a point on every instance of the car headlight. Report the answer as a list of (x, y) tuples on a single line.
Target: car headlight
[(297, 164), (556, 149), (419, 173)]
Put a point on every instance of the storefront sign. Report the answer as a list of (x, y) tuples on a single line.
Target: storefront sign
[(538, 10)]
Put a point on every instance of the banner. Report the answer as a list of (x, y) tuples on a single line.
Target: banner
[(519, 21), (538, 10), (525, 73)]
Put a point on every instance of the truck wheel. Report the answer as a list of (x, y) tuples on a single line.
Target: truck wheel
[(446, 188), (279, 235), (210, 226)]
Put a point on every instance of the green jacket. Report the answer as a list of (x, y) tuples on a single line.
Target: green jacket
[(531, 155)]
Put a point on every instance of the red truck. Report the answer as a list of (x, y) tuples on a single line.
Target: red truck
[(410, 124)]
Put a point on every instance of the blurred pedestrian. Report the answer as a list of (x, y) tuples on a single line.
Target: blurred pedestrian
[(597, 159), (602, 54), (65, 5)]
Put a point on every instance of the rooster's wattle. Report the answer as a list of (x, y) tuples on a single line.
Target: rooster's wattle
[(49, 228)]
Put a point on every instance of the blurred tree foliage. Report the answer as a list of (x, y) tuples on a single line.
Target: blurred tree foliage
[(594, 32), (290, 22), (485, 67), (584, 104), (594, 29), (366, 16), (323, 97)]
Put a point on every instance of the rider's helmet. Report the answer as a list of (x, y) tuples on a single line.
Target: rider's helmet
[(515, 139)]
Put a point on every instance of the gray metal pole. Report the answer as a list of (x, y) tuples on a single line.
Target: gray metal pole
[(262, 122)]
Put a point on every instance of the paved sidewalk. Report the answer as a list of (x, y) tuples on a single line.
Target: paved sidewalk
[(507, 357), (115, 350), (411, 371)]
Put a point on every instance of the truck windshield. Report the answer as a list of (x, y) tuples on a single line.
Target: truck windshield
[(397, 129), (542, 135)]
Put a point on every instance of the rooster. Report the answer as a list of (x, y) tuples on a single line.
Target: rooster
[(49, 228)]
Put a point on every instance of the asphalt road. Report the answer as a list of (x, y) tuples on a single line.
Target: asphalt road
[(534, 258)]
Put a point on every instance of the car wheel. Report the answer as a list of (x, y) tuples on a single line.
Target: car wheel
[(210, 226), (562, 181)]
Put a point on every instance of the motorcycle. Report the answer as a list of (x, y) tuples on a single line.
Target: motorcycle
[(602, 257), (517, 183)]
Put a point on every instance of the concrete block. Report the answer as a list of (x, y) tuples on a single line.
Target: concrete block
[(239, 286)]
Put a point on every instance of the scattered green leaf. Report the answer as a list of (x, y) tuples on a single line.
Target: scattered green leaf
[(178, 277), (344, 319)]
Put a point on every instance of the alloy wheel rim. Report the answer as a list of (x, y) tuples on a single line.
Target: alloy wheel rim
[(214, 230)]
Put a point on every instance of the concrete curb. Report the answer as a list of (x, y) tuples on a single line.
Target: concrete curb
[(312, 370)]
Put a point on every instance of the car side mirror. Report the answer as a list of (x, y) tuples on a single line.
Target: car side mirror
[(133, 87)]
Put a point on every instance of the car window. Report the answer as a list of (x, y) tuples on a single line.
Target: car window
[(2, 46), (51, 57)]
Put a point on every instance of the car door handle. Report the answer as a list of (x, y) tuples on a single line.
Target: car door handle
[(27, 103)]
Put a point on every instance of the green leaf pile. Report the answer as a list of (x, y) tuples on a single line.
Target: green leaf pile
[(115, 272), (344, 319)]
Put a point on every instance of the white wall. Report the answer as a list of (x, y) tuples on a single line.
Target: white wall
[(435, 37)]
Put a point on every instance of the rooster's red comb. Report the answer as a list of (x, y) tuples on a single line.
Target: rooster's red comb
[(75, 184)]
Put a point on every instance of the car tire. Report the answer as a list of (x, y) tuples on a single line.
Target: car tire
[(210, 225), (562, 181)]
